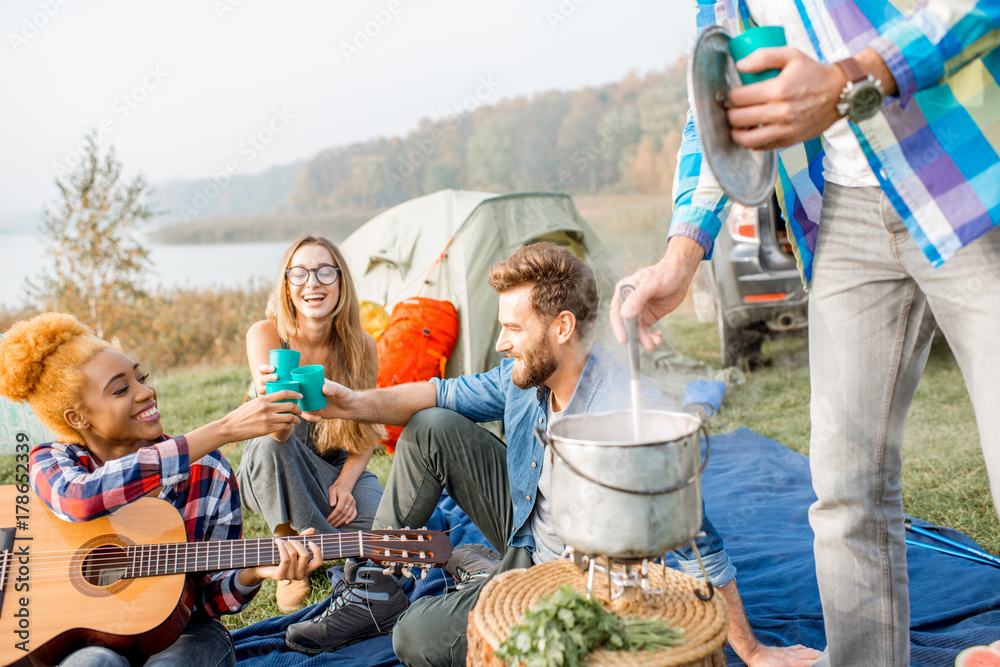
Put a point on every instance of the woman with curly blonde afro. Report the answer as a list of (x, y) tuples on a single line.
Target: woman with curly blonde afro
[(111, 450)]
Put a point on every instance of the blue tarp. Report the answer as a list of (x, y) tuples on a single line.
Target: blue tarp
[(758, 493)]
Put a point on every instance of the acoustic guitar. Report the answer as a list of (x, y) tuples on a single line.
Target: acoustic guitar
[(120, 581)]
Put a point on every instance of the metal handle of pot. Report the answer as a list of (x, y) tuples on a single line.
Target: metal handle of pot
[(543, 440)]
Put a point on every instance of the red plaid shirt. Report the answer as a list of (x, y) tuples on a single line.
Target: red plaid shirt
[(77, 487)]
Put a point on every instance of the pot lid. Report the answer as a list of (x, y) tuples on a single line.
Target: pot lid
[(747, 176)]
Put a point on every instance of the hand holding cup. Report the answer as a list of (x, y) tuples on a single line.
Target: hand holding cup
[(761, 37), (284, 362), (311, 380)]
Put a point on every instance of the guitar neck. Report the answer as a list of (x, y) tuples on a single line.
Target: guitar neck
[(151, 560)]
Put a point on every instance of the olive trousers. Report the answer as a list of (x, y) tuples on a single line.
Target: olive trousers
[(440, 449)]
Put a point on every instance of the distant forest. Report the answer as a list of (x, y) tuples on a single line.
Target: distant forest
[(618, 138)]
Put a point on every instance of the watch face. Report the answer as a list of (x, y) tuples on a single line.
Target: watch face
[(866, 101)]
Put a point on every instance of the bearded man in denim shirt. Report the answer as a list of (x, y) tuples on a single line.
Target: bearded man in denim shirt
[(548, 306)]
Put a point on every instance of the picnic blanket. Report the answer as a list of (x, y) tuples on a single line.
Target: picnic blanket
[(757, 492)]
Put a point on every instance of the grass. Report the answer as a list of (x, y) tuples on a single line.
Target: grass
[(944, 478)]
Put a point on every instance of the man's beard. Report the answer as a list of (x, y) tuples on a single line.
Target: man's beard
[(537, 365)]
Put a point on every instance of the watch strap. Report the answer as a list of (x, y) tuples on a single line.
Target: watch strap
[(852, 69)]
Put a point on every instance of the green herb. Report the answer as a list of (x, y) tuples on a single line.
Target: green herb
[(564, 627)]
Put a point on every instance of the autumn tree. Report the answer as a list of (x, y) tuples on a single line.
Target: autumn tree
[(621, 137), (89, 232), (490, 148)]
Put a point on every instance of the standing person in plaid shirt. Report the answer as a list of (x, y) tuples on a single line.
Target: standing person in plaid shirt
[(887, 117), (112, 451)]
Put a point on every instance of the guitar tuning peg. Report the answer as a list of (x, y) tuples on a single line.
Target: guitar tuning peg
[(407, 571), (423, 573), (388, 570)]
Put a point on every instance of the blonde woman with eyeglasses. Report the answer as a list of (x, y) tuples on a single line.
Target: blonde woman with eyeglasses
[(312, 475)]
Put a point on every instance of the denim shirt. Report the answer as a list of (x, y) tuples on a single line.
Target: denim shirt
[(603, 386)]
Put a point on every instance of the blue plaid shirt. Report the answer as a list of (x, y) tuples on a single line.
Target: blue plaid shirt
[(934, 146), (78, 487)]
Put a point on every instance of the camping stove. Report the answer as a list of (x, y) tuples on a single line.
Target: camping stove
[(625, 502), (629, 577)]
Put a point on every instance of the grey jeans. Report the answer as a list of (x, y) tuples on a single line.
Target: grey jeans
[(874, 301), (287, 482)]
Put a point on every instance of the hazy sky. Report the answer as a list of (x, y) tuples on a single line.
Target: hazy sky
[(179, 86)]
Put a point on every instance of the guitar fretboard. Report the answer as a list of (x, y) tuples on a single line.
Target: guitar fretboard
[(182, 557)]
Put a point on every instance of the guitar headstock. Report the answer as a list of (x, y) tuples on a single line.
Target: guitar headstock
[(408, 547)]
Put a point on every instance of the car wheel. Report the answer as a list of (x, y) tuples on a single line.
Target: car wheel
[(740, 348)]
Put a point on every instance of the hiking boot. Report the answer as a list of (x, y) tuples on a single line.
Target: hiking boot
[(291, 594), (351, 568), (472, 563), (364, 605)]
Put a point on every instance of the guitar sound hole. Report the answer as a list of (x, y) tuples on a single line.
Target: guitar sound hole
[(105, 566)]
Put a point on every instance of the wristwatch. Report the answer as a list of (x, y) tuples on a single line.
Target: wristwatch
[(862, 96)]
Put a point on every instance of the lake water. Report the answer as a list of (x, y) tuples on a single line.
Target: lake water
[(199, 266)]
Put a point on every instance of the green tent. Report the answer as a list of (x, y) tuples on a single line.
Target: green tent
[(442, 245)]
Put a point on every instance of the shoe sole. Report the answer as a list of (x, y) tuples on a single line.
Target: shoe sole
[(354, 640)]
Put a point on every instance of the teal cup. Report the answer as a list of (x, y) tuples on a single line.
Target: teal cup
[(275, 387), (310, 379), (760, 37), (284, 362)]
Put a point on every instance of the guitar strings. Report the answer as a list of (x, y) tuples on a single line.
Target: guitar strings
[(149, 558), (369, 537), (378, 547), (62, 575), (374, 540)]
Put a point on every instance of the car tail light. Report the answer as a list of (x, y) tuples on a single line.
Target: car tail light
[(761, 298), (742, 224)]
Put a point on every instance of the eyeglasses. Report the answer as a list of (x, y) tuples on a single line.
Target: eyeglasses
[(325, 274)]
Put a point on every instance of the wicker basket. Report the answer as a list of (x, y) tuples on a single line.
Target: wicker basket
[(506, 597)]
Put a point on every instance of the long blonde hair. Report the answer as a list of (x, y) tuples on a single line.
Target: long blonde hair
[(348, 361)]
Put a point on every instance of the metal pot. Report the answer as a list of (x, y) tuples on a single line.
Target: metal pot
[(626, 499)]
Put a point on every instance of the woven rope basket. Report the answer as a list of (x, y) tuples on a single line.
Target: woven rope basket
[(504, 600)]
